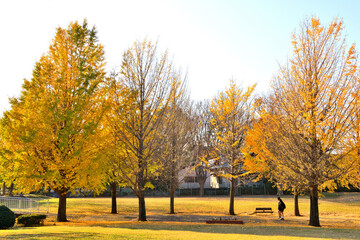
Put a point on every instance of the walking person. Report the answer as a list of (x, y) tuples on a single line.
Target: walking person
[(281, 208)]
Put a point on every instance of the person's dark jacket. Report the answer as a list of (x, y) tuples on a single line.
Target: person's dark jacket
[(281, 205)]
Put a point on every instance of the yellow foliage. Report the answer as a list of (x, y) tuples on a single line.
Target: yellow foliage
[(305, 134), (50, 127), (232, 112)]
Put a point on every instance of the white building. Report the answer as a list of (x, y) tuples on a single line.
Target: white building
[(187, 179)]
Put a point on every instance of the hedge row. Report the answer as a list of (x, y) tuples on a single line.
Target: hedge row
[(31, 219)]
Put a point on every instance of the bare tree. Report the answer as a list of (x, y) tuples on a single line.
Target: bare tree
[(202, 143), (149, 78), (178, 132)]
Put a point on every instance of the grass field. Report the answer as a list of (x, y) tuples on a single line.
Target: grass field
[(90, 219)]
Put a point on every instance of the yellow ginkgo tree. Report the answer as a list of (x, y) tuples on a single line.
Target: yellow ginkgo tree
[(231, 115), (119, 105), (270, 148), (312, 109), (52, 127)]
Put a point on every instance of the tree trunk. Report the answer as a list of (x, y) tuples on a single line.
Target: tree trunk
[(61, 217), (11, 189), (142, 210), (314, 207), (113, 198), (280, 191), (202, 186), (173, 183), (201, 176), (296, 203), (142, 168), (4, 189), (232, 195), (172, 200)]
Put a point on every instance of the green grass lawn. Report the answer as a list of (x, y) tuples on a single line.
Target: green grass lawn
[(90, 219)]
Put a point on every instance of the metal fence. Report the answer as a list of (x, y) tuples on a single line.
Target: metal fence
[(26, 205)]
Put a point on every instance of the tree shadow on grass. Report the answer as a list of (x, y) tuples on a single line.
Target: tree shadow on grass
[(281, 231), (186, 228), (52, 236)]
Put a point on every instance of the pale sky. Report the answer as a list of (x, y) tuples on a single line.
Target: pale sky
[(212, 40)]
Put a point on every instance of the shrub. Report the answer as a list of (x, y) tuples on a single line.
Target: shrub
[(7, 217), (31, 219)]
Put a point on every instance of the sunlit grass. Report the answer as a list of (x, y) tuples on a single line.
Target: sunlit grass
[(346, 204)]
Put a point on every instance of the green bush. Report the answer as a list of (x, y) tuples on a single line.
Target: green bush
[(7, 217), (31, 219)]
